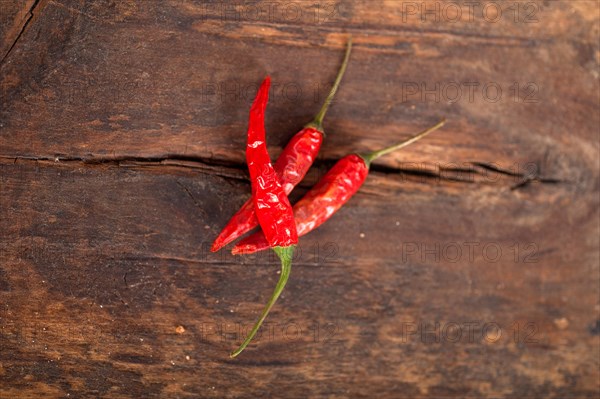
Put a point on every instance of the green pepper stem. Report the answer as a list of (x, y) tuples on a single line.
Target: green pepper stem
[(317, 123), (285, 255), (368, 158)]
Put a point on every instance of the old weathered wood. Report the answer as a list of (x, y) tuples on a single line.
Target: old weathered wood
[(467, 266), (14, 17)]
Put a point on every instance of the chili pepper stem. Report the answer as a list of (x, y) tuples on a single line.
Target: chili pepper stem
[(368, 158), (317, 123), (285, 255)]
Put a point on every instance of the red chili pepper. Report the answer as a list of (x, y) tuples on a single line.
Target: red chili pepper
[(272, 207), (334, 189), (291, 166)]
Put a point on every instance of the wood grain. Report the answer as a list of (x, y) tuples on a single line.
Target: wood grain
[(467, 266), (14, 18)]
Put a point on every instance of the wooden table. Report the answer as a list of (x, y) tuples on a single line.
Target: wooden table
[(467, 266)]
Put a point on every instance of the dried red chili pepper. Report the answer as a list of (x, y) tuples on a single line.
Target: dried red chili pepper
[(272, 207), (291, 166), (334, 189)]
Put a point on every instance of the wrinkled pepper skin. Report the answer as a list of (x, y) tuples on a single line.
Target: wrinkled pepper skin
[(338, 185), (272, 207), (334, 189), (297, 157), (292, 165)]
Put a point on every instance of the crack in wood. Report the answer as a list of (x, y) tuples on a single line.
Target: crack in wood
[(25, 24), (188, 193), (524, 178), (237, 171)]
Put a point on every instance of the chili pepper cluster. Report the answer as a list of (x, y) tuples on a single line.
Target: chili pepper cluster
[(269, 207)]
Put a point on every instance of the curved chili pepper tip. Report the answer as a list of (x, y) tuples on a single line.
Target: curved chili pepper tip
[(368, 158), (285, 254), (272, 206), (317, 123)]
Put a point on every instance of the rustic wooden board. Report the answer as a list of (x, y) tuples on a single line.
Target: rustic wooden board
[(467, 266), (14, 17)]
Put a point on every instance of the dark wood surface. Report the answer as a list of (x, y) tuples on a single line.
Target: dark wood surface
[(467, 265)]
